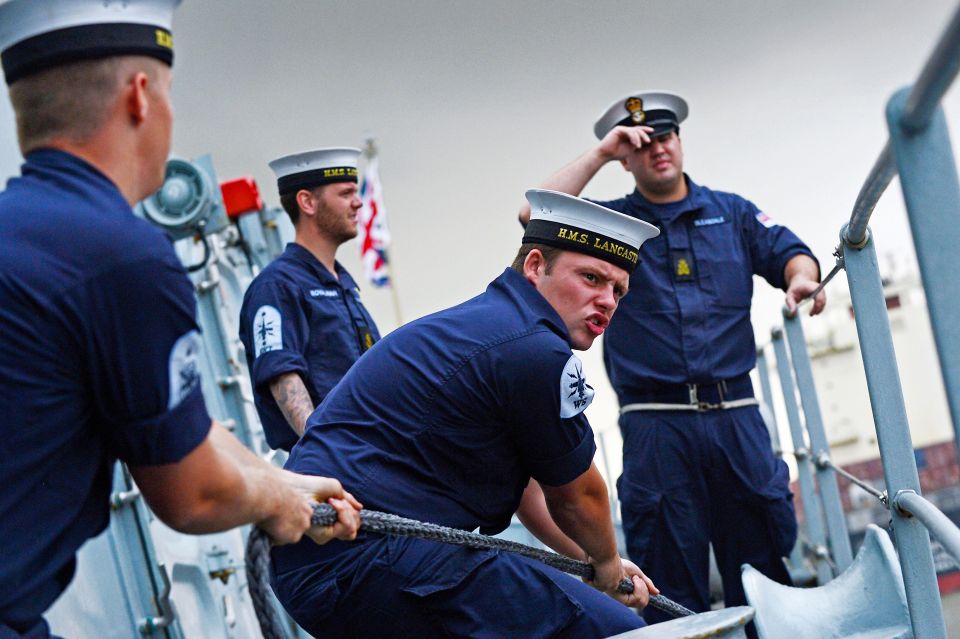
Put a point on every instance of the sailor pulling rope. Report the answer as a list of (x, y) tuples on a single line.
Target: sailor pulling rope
[(258, 559)]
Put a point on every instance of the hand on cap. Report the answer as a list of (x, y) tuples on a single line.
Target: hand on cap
[(623, 140)]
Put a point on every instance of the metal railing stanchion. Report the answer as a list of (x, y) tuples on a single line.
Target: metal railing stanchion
[(931, 190), (829, 492), (813, 511), (893, 436)]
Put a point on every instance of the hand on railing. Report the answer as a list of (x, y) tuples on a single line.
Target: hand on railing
[(801, 289), (815, 293), (802, 275)]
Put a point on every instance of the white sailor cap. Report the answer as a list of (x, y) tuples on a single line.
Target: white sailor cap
[(311, 169), (36, 35), (575, 224), (658, 109)]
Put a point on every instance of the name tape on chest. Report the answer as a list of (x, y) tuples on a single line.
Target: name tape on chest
[(323, 292), (267, 330), (710, 221), (184, 367), (575, 393)]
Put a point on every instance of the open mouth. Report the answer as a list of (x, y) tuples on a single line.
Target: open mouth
[(597, 324)]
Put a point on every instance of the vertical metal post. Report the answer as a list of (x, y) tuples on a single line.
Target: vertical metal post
[(893, 436), (767, 395), (811, 502), (271, 231), (928, 178), (826, 479), (226, 371)]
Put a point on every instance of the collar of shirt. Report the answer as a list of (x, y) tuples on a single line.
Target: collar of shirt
[(528, 301), (53, 164), (301, 254), (666, 213)]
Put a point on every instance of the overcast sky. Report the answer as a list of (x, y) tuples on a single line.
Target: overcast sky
[(474, 102)]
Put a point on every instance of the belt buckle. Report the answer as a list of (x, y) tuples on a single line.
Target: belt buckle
[(702, 407)]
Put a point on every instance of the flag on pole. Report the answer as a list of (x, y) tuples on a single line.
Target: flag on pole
[(372, 226)]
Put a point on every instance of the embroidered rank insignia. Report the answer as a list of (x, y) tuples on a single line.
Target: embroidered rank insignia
[(683, 266), (575, 393), (366, 339), (634, 107), (267, 333)]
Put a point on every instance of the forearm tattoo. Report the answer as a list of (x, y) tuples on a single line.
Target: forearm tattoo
[(293, 400)]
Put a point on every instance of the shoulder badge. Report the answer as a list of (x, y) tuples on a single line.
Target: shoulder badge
[(184, 367), (267, 330), (575, 393)]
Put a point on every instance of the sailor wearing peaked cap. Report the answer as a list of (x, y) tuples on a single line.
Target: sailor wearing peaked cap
[(573, 224), (315, 168), (463, 408), (657, 109), (36, 35), (302, 321)]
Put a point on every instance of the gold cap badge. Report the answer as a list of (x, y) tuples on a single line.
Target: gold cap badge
[(634, 107)]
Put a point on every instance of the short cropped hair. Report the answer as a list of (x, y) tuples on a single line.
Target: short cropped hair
[(550, 254), (290, 205), (71, 100)]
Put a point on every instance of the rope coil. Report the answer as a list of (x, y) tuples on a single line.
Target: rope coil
[(258, 559)]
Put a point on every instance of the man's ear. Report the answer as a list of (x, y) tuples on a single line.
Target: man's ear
[(307, 202), (534, 266), (137, 101)]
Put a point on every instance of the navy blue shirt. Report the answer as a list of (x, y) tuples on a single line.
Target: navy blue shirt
[(447, 418), (298, 318), (687, 316), (99, 362)]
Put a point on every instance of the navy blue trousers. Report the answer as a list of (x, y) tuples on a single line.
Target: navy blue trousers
[(691, 479), (402, 587)]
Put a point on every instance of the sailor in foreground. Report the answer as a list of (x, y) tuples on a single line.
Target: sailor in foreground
[(698, 466), (101, 347), (446, 420), (302, 322)]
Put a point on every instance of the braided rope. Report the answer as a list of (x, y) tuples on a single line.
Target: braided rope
[(258, 582), (258, 558)]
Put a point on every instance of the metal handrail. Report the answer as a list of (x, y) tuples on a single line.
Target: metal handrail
[(936, 77), (855, 233), (939, 525)]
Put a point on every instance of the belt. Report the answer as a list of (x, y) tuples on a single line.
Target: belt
[(699, 397)]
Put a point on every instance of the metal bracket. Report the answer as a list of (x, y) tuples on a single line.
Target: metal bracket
[(822, 460), (124, 498), (846, 242), (150, 625), (220, 565), (896, 503)]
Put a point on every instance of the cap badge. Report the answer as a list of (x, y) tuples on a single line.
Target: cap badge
[(634, 106)]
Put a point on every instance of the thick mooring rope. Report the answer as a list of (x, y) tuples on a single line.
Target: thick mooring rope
[(258, 559)]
